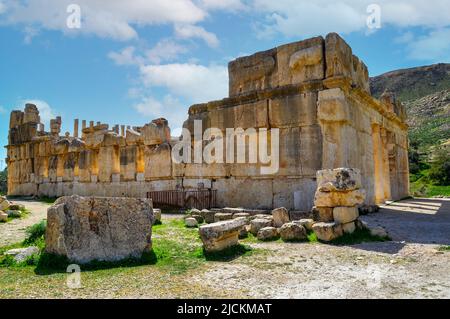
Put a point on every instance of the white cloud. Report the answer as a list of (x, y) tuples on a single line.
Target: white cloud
[(2, 7), (126, 57), (165, 50), (228, 5), (197, 83), (303, 18), (434, 46), (115, 19), (191, 31)]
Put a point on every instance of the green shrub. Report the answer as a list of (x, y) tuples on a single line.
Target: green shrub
[(35, 233), (440, 168)]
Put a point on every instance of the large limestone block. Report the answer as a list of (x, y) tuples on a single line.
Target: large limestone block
[(220, 235), (258, 223), (4, 205), (301, 61), (280, 216), (3, 216), (158, 161), (328, 231), (222, 216), (323, 214), (335, 199), (333, 106), (293, 110), (267, 233), (338, 56), (344, 215), (292, 232), (338, 180), (253, 72), (99, 228)]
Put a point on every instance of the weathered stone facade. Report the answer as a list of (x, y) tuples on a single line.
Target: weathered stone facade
[(316, 92)]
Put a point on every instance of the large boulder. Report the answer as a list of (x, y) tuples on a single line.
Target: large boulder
[(327, 231), (280, 216), (208, 215), (334, 199), (338, 180), (307, 223), (267, 233), (258, 223), (221, 235), (99, 228), (292, 232)]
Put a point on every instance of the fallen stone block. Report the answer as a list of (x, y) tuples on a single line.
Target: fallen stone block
[(16, 207), (292, 231), (4, 205), (338, 180), (99, 228), (267, 233), (220, 235), (280, 216), (258, 223), (208, 215), (335, 199), (245, 215), (262, 216), (222, 216), (307, 223), (327, 231), (323, 214), (3, 217), (198, 218), (345, 215), (190, 222), (21, 254), (233, 210)]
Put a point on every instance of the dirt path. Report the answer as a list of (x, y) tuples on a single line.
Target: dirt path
[(14, 231)]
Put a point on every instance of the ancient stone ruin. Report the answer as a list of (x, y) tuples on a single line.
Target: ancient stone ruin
[(316, 92), (99, 228)]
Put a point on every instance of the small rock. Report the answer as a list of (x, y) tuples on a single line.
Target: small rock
[(4, 205), (3, 216), (16, 207), (190, 222), (199, 218), (14, 213), (21, 254), (267, 233), (280, 216), (157, 214), (258, 223), (306, 222), (378, 231), (361, 225), (292, 231), (194, 211), (218, 217), (327, 231)]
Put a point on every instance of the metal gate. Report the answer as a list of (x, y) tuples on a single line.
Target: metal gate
[(198, 198)]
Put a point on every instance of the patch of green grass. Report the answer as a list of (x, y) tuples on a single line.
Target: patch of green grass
[(358, 237), (444, 248), (312, 238)]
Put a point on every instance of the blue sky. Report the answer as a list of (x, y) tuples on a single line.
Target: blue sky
[(133, 61)]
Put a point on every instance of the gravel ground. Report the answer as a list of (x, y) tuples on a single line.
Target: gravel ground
[(14, 231)]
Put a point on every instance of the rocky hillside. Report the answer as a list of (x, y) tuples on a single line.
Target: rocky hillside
[(425, 91)]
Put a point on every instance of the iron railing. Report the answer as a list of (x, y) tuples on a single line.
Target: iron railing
[(186, 198)]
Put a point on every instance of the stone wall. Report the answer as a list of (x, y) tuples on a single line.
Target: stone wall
[(316, 92)]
